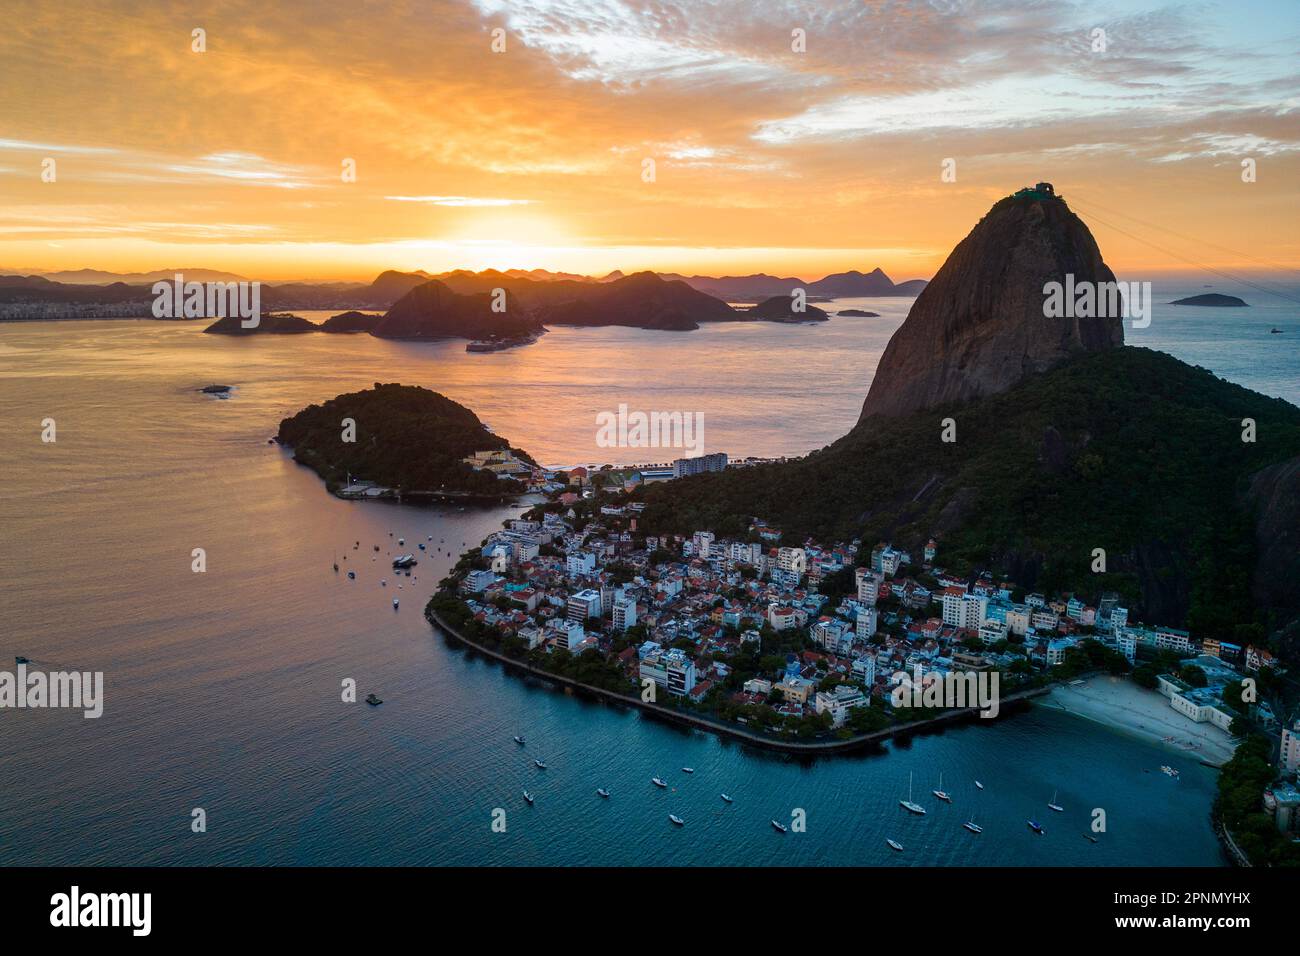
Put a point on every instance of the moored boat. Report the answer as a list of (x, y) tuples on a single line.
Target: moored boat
[(895, 845), (779, 827), (676, 819)]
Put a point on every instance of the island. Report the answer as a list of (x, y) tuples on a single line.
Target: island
[(1213, 299), (780, 308), (404, 441), (351, 322), (273, 323), (860, 313)]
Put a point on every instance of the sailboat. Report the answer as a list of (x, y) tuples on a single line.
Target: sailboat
[(940, 792), (979, 785), (907, 804), (1054, 805), (895, 845), (972, 826)]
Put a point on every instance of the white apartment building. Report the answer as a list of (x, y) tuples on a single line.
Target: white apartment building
[(580, 563), (624, 614), (583, 604)]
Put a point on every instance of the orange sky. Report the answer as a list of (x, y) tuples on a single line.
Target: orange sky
[(766, 159)]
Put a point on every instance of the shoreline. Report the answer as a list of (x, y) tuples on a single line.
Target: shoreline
[(698, 722), (1122, 706)]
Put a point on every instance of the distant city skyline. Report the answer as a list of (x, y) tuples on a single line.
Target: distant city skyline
[(766, 159)]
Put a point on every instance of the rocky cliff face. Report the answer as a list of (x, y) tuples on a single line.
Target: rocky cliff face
[(979, 327), (1275, 495)]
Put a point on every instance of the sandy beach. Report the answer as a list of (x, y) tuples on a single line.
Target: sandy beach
[(1119, 703)]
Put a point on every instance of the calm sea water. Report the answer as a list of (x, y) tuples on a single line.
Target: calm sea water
[(223, 688)]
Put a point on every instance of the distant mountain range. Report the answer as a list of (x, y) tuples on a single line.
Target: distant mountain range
[(666, 301)]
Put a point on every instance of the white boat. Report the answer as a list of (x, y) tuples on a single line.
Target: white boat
[(980, 785), (676, 819), (602, 791), (528, 796), (394, 602), (657, 782), (1054, 805), (972, 826), (941, 793), (726, 798), (1036, 827), (688, 770), (907, 804), (540, 765), (895, 845), (779, 827), (519, 740)]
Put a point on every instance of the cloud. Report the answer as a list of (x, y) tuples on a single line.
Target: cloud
[(466, 201)]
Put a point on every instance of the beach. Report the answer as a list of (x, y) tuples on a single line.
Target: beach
[(1120, 704)]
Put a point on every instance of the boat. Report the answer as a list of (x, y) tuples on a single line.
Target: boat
[(373, 700), (1036, 827), (726, 799), (973, 827), (979, 785), (394, 602), (779, 827), (22, 660), (539, 764), (352, 575), (895, 845), (688, 770), (1054, 805), (676, 819), (376, 547), (907, 804), (941, 793), (1274, 331), (421, 545), (1090, 838), (401, 541), (1169, 770), (603, 792), (657, 782), (529, 797), (519, 740), (404, 561), (336, 567)]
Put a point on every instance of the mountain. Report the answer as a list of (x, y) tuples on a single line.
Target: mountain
[(391, 285), (642, 300), (433, 311), (100, 277), (979, 326), (780, 308), (407, 438), (843, 285), (751, 288), (1091, 444)]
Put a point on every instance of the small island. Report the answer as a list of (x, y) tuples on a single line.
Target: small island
[(1213, 299), (862, 313), (275, 323), (401, 440), (351, 322), (780, 308)]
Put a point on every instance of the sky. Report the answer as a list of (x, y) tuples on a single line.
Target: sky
[(124, 148)]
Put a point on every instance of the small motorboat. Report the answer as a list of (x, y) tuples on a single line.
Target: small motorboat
[(895, 845), (726, 799), (421, 545), (672, 816), (376, 547), (657, 782), (519, 740), (1090, 838), (603, 792), (529, 797), (979, 785), (779, 827), (401, 541), (539, 764), (383, 582), (972, 826), (336, 567), (394, 603), (1036, 827), (1053, 805), (352, 575), (373, 700), (22, 660), (688, 770)]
